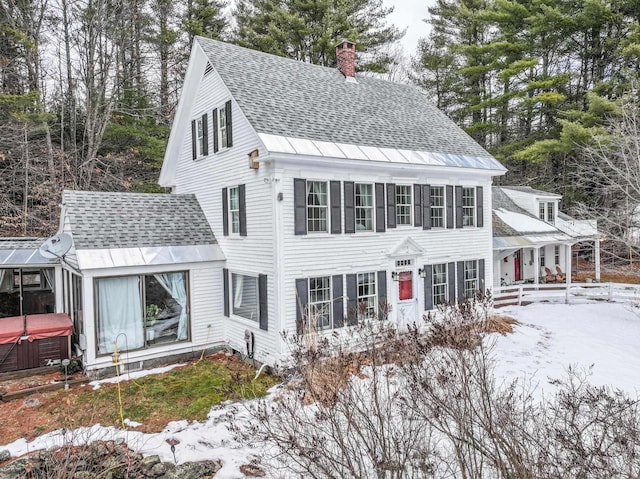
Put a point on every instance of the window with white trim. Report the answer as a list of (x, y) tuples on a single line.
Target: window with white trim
[(367, 297), (403, 204), (200, 137), (437, 207), (320, 301), (468, 206), (470, 278), (440, 284), (244, 296), (222, 126), (556, 254), (317, 206), (234, 209), (541, 211), (551, 212), (542, 258), (364, 206)]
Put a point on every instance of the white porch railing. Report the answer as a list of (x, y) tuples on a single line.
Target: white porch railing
[(560, 293)]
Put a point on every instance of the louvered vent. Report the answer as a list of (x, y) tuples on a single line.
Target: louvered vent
[(208, 69)]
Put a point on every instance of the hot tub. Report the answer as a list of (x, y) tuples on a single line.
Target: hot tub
[(34, 341)]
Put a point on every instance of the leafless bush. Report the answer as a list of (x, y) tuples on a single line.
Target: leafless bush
[(425, 404)]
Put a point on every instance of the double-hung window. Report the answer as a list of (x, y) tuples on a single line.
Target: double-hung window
[(222, 127), (317, 206), (199, 137), (550, 212), (541, 211), (543, 263), (367, 297), (234, 209), (364, 206), (320, 302), (440, 284), (403, 204), (468, 206), (556, 255), (437, 207), (245, 300), (470, 278)]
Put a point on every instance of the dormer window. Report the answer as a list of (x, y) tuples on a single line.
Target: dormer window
[(546, 211)]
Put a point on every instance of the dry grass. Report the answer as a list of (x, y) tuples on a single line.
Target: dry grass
[(185, 393)]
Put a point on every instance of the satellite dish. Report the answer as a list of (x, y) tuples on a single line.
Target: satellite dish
[(56, 246)]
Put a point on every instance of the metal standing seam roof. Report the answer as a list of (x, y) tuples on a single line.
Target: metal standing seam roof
[(23, 252), (103, 220), (289, 102), (528, 189)]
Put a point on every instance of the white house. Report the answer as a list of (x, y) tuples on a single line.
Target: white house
[(531, 235), (327, 192), (302, 196)]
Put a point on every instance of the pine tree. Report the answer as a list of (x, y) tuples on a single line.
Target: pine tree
[(308, 30)]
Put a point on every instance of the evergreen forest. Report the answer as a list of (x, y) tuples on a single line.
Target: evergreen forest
[(88, 88)]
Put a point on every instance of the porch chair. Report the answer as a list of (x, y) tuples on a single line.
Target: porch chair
[(548, 276), (560, 275), (574, 276)]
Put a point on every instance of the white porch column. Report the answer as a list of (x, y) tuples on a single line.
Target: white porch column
[(536, 265), (499, 272), (567, 264), (596, 256)]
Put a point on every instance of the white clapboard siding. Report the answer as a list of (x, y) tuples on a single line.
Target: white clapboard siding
[(206, 177), (329, 254)]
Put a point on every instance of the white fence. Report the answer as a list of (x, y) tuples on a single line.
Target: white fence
[(561, 293)]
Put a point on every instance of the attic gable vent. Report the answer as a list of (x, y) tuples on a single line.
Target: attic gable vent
[(208, 69)]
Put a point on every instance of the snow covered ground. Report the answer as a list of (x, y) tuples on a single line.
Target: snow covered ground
[(551, 337)]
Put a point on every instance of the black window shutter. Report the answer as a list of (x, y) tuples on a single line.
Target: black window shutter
[(428, 287), (391, 205), (300, 205), (194, 138), (225, 212), (460, 281), (302, 300), (225, 290), (227, 107), (338, 301), (205, 139), (417, 205), (459, 207), (336, 219), (383, 306), (481, 282), (243, 210), (426, 207), (264, 303), (349, 208), (380, 206), (216, 147), (352, 299), (451, 281), (479, 207), (449, 201)]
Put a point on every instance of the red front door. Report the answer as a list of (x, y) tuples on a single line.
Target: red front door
[(517, 266)]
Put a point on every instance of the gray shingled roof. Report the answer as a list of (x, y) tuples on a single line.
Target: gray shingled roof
[(126, 220), (280, 96), (528, 189), (21, 243), (499, 199)]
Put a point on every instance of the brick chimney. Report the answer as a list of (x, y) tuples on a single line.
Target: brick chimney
[(346, 56)]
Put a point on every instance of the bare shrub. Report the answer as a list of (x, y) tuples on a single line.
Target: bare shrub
[(372, 402)]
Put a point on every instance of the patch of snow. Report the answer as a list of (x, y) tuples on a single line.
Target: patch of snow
[(524, 223), (134, 375)]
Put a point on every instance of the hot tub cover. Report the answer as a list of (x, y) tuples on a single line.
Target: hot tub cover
[(39, 326)]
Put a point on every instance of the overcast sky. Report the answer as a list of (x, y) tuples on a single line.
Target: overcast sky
[(409, 14)]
